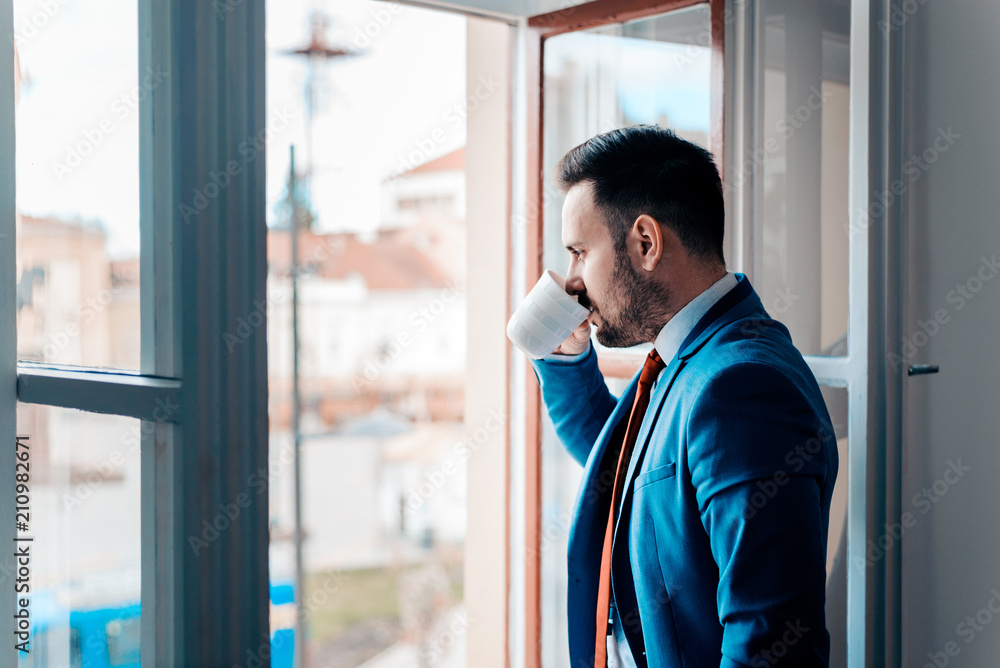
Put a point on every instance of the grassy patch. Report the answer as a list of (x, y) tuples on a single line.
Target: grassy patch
[(363, 595), (367, 593)]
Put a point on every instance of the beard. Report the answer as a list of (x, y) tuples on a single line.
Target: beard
[(641, 309)]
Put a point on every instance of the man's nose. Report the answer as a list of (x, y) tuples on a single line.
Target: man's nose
[(574, 281)]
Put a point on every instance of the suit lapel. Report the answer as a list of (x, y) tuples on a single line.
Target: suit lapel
[(586, 535), (593, 504), (655, 405), (620, 412)]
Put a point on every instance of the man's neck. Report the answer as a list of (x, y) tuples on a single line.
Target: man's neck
[(697, 285), (672, 333)]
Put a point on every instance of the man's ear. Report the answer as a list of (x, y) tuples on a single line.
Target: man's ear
[(647, 238)]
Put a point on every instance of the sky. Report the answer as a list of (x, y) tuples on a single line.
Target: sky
[(78, 63), (652, 78), (77, 120)]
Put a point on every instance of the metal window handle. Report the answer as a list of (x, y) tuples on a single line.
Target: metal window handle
[(922, 369)]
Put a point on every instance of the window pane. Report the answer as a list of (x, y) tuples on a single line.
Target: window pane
[(654, 70), (382, 335), (77, 181), (802, 160), (82, 513)]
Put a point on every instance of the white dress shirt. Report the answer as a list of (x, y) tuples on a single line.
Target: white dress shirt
[(667, 344)]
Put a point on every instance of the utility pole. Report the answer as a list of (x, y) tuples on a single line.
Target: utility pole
[(316, 51), (300, 636)]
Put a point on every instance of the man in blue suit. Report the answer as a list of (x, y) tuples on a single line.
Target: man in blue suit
[(718, 555)]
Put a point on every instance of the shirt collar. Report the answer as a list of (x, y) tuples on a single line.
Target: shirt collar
[(670, 338)]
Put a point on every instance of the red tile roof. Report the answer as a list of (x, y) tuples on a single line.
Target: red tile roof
[(389, 262), (54, 227), (447, 162)]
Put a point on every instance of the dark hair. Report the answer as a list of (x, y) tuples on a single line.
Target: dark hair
[(647, 169)]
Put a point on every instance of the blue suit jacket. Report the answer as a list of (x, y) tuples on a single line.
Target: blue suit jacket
[(719, 554)]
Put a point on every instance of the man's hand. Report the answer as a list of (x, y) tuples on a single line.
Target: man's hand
[(577, 341)]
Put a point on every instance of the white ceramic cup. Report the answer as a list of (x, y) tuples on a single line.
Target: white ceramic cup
[(546, 317)]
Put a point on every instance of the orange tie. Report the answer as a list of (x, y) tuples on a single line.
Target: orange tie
[(650, 370)]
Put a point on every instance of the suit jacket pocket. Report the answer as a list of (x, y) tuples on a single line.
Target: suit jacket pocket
[(652, 475)]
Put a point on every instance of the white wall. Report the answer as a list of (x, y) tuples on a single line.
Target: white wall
[(951, 556), (349, 332), (487, 168)]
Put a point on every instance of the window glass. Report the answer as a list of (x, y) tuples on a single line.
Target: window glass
[(802, 161), (79, 516), (77, 169)]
